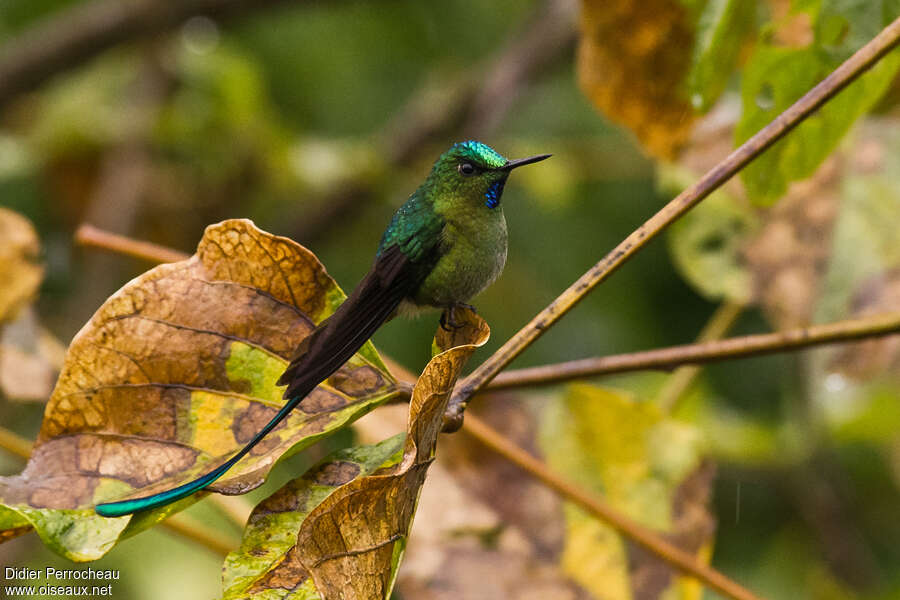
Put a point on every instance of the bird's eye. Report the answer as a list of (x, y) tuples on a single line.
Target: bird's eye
[(466, 169)]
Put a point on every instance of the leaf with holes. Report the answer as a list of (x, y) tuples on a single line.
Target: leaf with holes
[(173, 374), (340, 530)]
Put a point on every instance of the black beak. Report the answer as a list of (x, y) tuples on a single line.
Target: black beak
[(520, 162)]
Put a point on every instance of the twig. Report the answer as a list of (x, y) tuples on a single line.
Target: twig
[(14, 443), (662, 358), (706, 352), (646, 538), (854, 66), (677, 384), (187, 527), (94, 237), (72, 36), (236, 508), (506, 448)]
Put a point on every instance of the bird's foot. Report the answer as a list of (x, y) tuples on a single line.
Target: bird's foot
[(448, 317)]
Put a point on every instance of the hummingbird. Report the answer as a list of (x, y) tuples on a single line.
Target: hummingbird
[(443, 246)]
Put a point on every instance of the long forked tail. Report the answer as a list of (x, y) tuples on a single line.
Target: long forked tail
[(322, 353)]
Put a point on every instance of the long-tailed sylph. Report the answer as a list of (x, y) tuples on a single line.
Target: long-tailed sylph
[(443, 246)]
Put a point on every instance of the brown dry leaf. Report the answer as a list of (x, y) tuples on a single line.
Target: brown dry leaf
[(633, 59), (174, 373), (340, 530), (20, 274)]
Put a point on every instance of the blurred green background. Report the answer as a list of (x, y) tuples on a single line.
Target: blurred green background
[(317, 119)]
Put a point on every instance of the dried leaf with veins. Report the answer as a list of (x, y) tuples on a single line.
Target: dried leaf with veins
[(340, 530), (174, 373)]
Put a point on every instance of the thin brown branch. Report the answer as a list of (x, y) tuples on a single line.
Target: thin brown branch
[(655, 544), (852, 68), (72, 36), (94, 237), (705, 352), (678, 383), (646, 538), (14, 443), (191, 529)]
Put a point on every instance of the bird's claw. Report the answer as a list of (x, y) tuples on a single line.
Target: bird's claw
[(448, 317)]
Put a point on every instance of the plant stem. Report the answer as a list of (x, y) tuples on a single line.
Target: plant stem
[(678, 382), (705, 352), (14, 443), (94, 237), (655, 544), (191, 529), (642, 536), (854, 66)]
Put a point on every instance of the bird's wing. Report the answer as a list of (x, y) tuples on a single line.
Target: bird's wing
[(337, 338), (334, 341)]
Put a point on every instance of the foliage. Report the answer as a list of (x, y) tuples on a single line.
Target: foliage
[(297, 118)]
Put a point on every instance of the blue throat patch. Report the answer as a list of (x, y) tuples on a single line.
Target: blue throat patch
[(493, 194)]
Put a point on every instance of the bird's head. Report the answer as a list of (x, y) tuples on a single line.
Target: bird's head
[(475, 172)]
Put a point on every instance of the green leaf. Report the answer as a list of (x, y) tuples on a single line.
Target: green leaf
[(340, 530), (721, 28), (176, 372), (645, 465), (776, 77)]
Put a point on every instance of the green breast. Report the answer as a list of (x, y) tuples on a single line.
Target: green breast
[(473, 255)]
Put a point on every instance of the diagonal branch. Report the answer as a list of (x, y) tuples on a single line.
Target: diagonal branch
[(852, 68), (703, 352), (636, 532)]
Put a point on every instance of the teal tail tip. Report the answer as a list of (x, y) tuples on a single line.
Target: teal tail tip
[(128, 507)]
